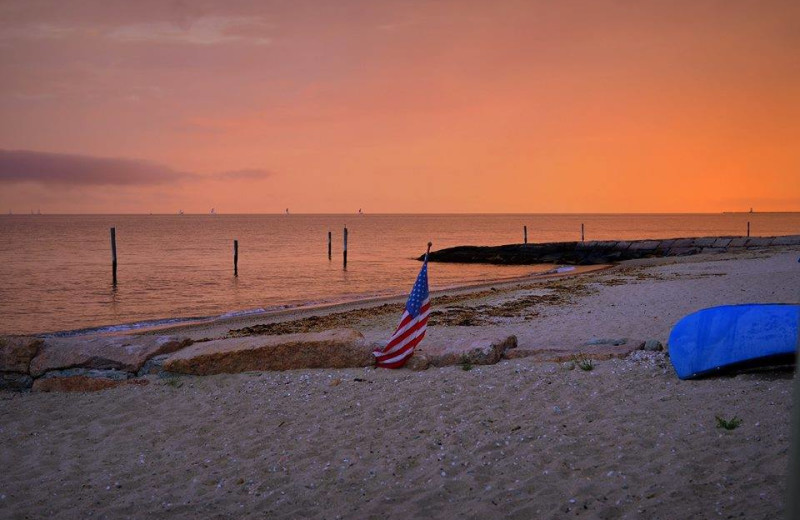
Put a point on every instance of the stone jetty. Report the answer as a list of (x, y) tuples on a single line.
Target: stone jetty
[(603, 252)]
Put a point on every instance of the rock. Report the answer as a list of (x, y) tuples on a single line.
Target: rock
[(704, 241), (559, 354), (756, 242), (475, 351), (339, 348), (791, 240), (653, 345), (15, 381), (644, 246), (127, 353), (419, 361), (683, 251), (16, 353), (79, 380), (153, 366)]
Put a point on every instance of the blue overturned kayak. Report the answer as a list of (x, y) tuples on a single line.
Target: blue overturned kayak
[(732, 337)]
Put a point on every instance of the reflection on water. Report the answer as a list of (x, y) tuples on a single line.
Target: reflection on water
[(54, 270)]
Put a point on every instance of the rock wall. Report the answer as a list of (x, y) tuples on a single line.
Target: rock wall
[(603, 252)]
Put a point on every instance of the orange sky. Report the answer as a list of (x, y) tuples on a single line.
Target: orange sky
[(399, 106)]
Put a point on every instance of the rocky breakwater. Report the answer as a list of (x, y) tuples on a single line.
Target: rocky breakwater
[(603, 252), (86, 363), (79, 363)]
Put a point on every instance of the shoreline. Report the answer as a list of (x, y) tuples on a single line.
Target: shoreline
[(365, 304), (165, 325)]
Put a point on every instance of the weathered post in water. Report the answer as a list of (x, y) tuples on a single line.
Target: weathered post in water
[(582, 234), (235, 258), (329, 244), (114, 256), (748, 228), (344, 253), (525, 233)]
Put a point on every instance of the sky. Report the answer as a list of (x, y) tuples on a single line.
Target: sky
[(433, 106)]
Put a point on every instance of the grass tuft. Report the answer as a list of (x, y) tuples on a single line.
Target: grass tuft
[(174, 382), (466, 365), (731, 424), (582, 362)]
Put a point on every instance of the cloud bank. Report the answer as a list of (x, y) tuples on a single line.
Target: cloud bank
[(24, 166), (21, 166)]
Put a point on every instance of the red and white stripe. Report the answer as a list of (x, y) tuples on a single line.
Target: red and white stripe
[(409, 333)]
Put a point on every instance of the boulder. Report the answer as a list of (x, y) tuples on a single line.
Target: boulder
[(127, 353), (644, 245), (486, 350), (683, 251), (15, 381), (16, 353), (653, 345), (153, 366), (704, 241), (791, 240), (419, 361), (759, 242), (338, 348), (738, 242)]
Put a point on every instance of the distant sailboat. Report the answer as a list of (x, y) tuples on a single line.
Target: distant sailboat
[(287, 211), (180, 212), (360, 212), (213, 212)]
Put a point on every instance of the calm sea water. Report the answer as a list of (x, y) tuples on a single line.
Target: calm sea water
[(55, 270)]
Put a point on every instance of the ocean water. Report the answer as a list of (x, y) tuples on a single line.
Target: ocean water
[(55, 270)]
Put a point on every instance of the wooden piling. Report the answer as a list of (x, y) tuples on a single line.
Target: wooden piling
[(235, 258), (583, 236), (525, 233), (329, 244), (114, 256), (344, 253), (748, 228)]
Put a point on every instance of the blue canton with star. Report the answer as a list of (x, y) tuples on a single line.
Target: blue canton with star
[(419, 293)]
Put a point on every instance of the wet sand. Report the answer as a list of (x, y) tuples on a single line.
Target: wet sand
[(519, 439)]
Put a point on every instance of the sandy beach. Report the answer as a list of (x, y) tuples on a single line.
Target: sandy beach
[(519, 439)]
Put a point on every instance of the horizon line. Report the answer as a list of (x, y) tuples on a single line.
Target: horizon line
[(217, 214)]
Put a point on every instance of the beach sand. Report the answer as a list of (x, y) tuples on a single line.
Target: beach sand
[(519, 439)]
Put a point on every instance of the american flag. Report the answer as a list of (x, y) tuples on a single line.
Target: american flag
[(412, 325)]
